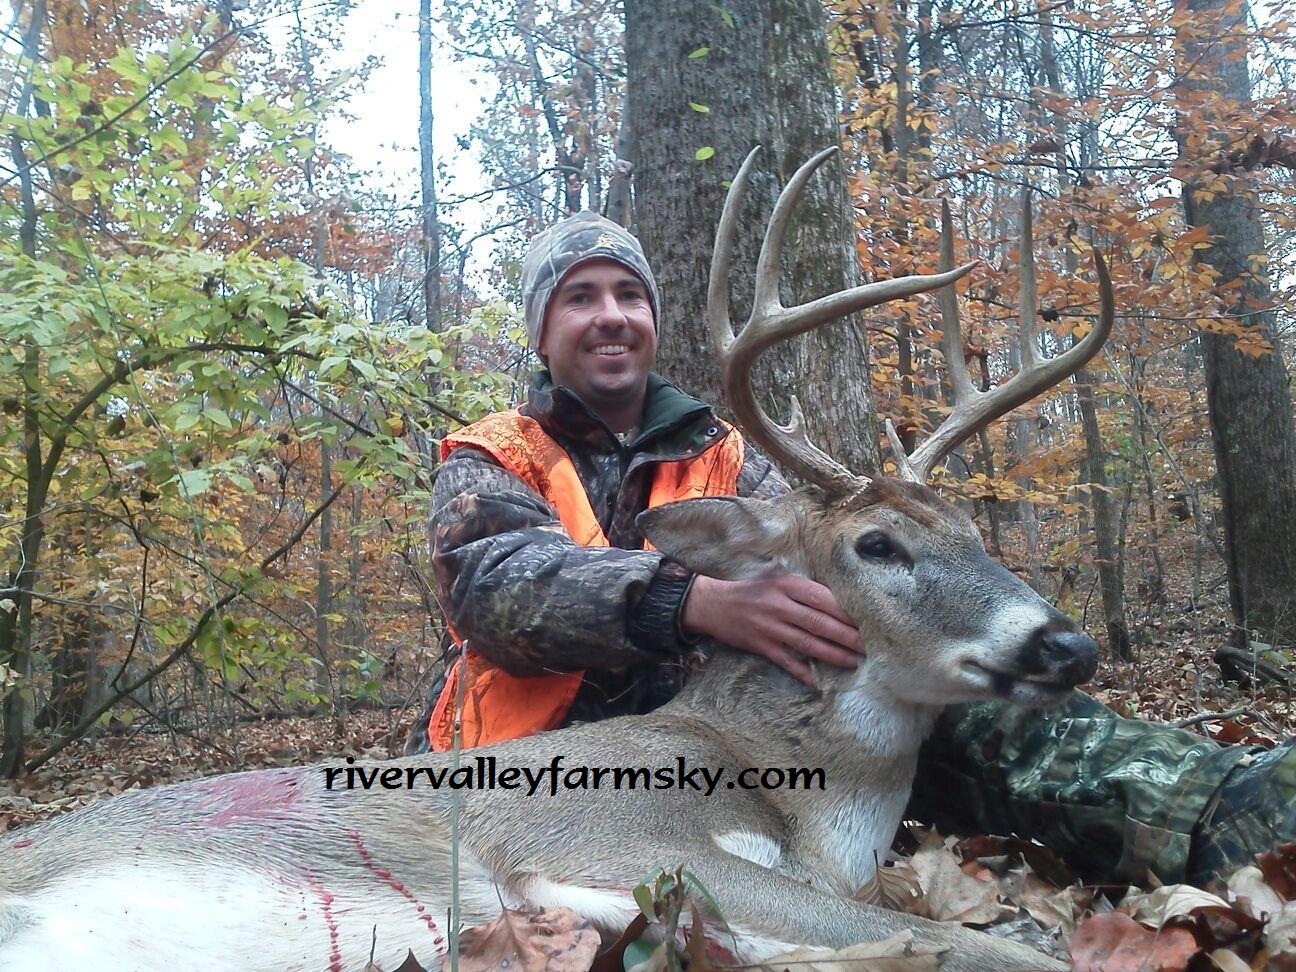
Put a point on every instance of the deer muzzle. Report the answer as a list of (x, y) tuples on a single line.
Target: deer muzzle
[(1059, 655)]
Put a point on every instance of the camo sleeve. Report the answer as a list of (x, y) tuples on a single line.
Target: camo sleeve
[(656, 619), (512, 580), (1118, 798)]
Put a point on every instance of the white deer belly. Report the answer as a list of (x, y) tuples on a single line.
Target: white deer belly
[(154, 917)]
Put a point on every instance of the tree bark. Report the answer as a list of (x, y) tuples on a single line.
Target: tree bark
[(1110, 580), (427, 167), (1248, 396), (16, 623), (765, 81)]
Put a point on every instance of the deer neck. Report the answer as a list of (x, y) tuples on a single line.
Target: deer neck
[(864, 738)]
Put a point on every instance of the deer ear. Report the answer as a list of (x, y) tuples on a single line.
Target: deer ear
[(728, 537)]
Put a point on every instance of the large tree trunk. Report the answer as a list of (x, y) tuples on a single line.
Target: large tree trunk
[(766, 82), (1248, 395)]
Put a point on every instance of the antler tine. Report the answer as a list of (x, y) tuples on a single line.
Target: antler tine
[(771, 322), (978, 409), (766, 296), (951, 330), (718, 320)]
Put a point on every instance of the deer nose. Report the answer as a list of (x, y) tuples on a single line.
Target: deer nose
[(1063, 655)]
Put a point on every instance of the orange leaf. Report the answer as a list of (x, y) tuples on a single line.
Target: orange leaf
[(555, 940), (1117, 943)]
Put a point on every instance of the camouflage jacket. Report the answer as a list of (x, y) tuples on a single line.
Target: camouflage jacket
[(530, 600)]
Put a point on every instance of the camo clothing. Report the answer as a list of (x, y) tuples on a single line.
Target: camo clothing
[(530, 600), (1118, 798)]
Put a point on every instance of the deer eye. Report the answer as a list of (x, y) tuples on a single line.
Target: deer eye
[(874, 545)]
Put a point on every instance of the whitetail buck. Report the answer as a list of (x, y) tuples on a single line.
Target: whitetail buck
[(271, 870)]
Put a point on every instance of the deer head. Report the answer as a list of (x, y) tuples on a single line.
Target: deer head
[(943, 622)]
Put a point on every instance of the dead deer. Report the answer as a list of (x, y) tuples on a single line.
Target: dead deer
[(272, 870)]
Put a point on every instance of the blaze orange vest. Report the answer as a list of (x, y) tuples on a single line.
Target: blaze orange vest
[(498, 705)]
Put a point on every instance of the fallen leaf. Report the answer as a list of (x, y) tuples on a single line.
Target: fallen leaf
[(1040, 859), (894, 887), (1228, 962), (949, 894), (1115, 942), (612, 959), (411, 964), (1279, 869), (899, 953), (1049, 906), (1280, 932), (1227, 929), (555, 940), (1248, 887), (1157, 907)]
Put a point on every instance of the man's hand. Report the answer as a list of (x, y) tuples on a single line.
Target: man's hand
[(786, 619)]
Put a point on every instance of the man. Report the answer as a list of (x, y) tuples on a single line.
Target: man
[(567, 618)]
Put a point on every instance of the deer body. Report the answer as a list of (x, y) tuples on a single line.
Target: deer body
[(272, 870)]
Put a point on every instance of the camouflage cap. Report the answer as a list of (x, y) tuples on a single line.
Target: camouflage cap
[(569, 242)]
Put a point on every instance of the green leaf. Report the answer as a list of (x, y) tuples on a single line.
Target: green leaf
[(194, 481), (643, 897), (704, 153), (700, 52), (700, 109), (217, 417), (637, 953), (186, 421)]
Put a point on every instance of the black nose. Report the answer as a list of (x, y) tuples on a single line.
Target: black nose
[(1063, 655)]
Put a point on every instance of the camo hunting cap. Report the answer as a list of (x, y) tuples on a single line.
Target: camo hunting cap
[(579, 238)]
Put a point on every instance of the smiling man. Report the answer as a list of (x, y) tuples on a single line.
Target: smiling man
[(536, 557)]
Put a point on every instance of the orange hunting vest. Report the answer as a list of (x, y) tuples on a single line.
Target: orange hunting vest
[(497, 705)]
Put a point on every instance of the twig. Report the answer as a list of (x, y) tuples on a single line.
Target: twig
[(1212, 716)]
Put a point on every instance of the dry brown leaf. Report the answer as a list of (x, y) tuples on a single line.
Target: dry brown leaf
[(1247, 885), (895, 887), (949, 894), (555, 940), (1157, 907), (411, 964), (1115, 942), (1279, 869), (1050, 907), (899, 953)]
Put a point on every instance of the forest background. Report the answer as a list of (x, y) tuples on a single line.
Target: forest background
[(226, 355)]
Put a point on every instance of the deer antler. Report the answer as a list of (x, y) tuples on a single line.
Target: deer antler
[(973, 410), (771, 322)]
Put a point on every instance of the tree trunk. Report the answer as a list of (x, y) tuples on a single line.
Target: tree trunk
[(16, 622), (1110, 581), (1248, 395), (766, 82), (427, 168)]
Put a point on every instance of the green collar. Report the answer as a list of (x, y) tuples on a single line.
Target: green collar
[(666, 409)]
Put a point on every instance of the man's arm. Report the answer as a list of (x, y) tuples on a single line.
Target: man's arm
[(530, 599), (513, 581)]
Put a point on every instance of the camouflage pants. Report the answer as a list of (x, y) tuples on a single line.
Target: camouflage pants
[(1117, 798)]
